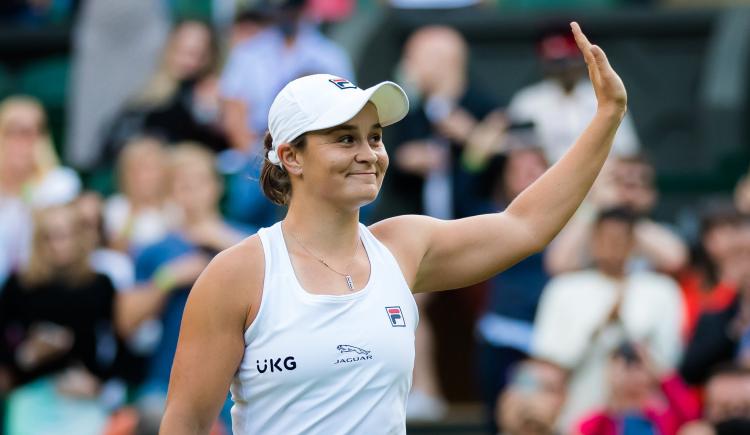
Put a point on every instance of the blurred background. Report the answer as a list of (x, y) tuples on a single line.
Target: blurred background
[(130, 149)]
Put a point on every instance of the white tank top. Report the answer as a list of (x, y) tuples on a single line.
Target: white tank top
[(326, 364)]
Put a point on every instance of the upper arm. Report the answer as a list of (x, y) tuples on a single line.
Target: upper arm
[(211, 342), (441, 255)]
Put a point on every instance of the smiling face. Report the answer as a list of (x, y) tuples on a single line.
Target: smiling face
[(343, 165)]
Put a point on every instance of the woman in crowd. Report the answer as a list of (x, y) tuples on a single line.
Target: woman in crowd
[(56, 336), (140, 214), (710, 283), (181, 99), (30, 174)]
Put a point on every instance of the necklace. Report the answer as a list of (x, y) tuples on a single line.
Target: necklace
[(347, 277)]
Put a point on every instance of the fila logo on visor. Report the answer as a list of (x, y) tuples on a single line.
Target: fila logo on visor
[(343, 83), (395, 316)]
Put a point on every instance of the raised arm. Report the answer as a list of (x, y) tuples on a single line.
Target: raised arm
[(453, 254), (211, 344)]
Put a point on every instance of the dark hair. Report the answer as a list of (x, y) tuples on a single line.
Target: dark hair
[(714, 215), (618, 214), (274, 180), (728, 369)]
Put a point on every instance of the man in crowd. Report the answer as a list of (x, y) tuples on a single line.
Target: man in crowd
[(583, 316)]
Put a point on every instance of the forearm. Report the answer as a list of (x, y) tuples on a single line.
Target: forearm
[(548, 204), (664, 249), (136, 306)]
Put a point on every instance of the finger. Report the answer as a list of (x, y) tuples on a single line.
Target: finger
[(582, 41)]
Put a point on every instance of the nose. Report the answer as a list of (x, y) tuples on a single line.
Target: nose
[(366, 154)]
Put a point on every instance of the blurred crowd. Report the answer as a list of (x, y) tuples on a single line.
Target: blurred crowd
[(623, 325)]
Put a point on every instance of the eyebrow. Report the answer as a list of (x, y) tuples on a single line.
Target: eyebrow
[(345, 127)]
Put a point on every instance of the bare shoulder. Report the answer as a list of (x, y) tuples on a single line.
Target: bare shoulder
[(233, 281), (407, 237), (406, 230)]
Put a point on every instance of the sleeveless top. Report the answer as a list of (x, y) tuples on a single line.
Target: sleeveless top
[(326, 364)]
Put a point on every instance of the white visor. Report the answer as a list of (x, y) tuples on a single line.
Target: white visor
[(322, 101)]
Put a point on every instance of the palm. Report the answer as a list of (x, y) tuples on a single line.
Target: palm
[(609, 89)]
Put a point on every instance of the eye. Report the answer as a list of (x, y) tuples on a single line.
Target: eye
[(377, 137), (348, 139)]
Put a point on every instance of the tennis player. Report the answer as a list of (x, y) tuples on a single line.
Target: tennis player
[(310, 323)]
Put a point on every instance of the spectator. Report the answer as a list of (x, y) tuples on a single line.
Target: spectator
[(248, 87), (181, 99), (141, 214), (168, 268), (562, 104), (246, 25), (533, 400), (505, 328), (118, 267), (727, 404), (624, 182), (584, 315), (710, 284), (632, 405), (30, 174), (721, 337), (56, 323), (446, 107)]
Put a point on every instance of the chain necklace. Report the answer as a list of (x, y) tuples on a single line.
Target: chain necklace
[(347, 277)]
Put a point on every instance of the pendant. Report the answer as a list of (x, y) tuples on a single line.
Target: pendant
[(349, 282)]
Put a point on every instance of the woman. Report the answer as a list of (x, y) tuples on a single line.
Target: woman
[(30, 175), (56, 334), (140, 213), (180, 101), (312, 320)]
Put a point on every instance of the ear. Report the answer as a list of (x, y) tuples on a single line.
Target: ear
[(290, 158)]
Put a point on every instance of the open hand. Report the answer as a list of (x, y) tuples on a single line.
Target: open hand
[(609, 89)]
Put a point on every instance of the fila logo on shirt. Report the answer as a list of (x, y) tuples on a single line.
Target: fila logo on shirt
[(276, 364), (343, 83), (395, 316)]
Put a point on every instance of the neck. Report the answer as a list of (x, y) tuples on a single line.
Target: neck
[(328, 230)]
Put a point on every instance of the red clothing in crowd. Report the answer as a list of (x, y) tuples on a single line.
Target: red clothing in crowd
[(682, 406), (699, 300)]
